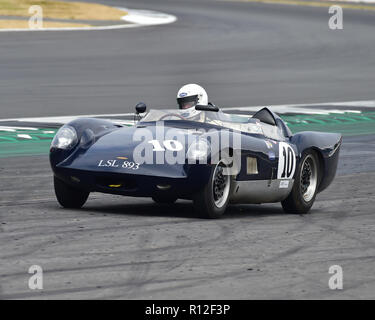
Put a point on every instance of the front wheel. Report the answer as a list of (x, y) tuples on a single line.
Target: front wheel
[(305, 187), (68, 196), (211, 202)]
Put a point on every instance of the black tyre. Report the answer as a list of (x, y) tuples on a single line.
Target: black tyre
[(68, 196), (212, 201), (305, 187), (164, 199)]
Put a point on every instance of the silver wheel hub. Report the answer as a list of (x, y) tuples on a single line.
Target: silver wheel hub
[(220, 185), (308, 178)]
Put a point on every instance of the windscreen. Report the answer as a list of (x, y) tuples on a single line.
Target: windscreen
[(241, 123)]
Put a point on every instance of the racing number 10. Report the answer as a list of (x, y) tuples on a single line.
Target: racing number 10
[(287, 161), (171, 145), (287, 165)]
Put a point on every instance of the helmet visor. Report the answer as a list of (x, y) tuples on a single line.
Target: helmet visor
[(187, 102)]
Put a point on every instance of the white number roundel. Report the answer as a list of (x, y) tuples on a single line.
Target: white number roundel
[(287, 161)]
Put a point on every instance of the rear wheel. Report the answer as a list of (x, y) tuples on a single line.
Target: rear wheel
[(305, 187), (68, 196), (212, 201)]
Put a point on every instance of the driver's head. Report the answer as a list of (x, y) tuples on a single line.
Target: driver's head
[(190, 95)]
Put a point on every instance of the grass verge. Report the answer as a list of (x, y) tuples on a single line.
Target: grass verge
[(24, 24), (61, 10)]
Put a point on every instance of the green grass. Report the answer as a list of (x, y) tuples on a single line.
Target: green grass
[(61, 10), (348, 124)]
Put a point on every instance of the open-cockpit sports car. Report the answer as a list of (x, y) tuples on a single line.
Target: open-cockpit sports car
[(211, 158)]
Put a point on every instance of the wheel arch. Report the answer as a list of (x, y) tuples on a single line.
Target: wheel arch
[(327, 147)]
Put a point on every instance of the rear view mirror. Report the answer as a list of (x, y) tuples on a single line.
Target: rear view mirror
[(140, 108), (209, 107)]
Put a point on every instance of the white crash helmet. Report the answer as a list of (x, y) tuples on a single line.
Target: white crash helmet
[(190, 95)]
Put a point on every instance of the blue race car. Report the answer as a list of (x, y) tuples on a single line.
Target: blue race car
[(212, 158)]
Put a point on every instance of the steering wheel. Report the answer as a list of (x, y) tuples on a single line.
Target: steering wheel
[(172, 115)]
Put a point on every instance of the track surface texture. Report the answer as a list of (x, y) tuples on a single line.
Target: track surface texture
[(242, 53), (125, 248), (131, 248)]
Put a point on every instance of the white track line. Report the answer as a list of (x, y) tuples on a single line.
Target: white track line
[(147, 17), (24, 136), (64, 119), (361, 103), (137, 18), (7, 129), (14, 129), (290, 109), (308, 108)]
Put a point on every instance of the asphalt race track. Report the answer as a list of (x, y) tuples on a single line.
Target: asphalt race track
[(125, 248), (242, 53)]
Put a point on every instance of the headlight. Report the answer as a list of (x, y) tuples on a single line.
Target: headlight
[(199, 150), (65, 138)]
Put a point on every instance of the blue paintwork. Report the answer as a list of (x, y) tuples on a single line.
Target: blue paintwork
[(79, 166)]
